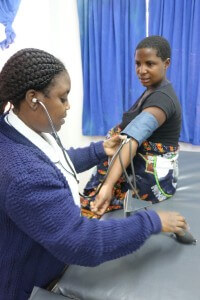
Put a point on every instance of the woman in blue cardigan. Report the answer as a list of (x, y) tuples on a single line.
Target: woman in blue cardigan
[(41, 229)]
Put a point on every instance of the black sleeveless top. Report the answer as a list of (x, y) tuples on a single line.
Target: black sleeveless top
[(165, 98)]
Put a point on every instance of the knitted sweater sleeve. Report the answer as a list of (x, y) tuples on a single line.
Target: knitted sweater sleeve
[(41, 206), (87, 157)]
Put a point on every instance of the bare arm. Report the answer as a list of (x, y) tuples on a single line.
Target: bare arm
[(158, 113), (103, 199)]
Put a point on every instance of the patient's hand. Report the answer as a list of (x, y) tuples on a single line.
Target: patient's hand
[(102, 200), (172, 222)]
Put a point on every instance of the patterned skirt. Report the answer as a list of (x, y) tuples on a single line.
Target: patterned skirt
[(156, 173)]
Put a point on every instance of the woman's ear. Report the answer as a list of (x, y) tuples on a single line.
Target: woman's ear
[(30, 95), (167, 63)]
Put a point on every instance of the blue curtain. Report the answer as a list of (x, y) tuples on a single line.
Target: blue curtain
[(110, 30), (8, 10), (179, 22)]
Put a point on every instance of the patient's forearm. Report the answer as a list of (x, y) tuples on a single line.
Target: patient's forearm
[(116, 169)]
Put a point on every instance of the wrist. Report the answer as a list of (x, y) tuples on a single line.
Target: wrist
[(109, 183)]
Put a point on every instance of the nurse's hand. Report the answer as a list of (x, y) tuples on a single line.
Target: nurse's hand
[(172, 222), (111, 145), (102, 200)]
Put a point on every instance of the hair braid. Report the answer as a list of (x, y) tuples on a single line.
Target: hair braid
[(27, 69)]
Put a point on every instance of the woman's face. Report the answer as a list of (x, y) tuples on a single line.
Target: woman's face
[(55, 101), (150, 68)]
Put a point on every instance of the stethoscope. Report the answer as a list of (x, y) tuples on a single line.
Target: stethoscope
[(73, 173), (58, 141)]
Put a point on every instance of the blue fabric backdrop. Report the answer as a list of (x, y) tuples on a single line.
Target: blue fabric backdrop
[(179, 22), (109, 30), (8, 10)]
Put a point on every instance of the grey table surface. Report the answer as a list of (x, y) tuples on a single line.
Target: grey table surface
[(162, 269)]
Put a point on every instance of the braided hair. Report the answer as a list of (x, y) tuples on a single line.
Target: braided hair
[(157, 42), (27, 69)]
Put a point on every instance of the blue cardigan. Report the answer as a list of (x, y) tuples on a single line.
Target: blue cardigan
[(41, 229)]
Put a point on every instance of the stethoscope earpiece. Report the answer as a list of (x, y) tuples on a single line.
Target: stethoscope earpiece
[(35, 100)]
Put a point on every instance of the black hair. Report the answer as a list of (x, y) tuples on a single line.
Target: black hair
[(27, 69), (157, 42)]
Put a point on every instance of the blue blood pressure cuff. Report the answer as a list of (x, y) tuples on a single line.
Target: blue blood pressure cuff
[(141, 127)]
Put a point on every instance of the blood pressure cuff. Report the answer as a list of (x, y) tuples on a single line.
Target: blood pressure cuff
[(141, 127)]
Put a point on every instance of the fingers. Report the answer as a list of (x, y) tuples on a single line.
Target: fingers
[(99, 210), (98, 206), (95, 206), (111, 145), (115, 139), (122, 137), (172, 222), (181, 223), (102, 200), (180, 226)]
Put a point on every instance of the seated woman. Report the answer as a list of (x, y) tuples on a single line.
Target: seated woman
[(154, 124)]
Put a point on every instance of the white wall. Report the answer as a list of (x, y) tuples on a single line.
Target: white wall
[(52, 25)]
